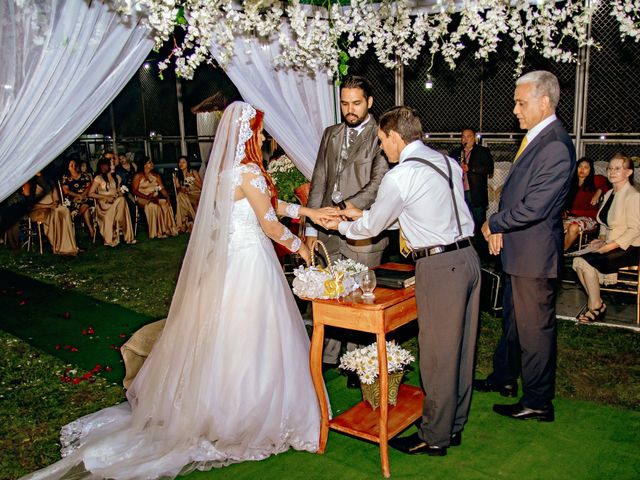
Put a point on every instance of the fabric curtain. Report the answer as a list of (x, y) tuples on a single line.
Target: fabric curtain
[(63, 62), (298, 106)]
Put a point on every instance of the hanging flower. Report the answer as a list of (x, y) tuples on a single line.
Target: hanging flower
[(314, 38)]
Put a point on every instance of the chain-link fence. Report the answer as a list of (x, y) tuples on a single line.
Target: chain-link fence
[(476, 94), (613, 104)]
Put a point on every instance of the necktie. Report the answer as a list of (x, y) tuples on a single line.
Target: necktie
[(522, 147), (404, 248), (351, 136)]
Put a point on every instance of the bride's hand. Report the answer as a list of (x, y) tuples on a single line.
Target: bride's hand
[(320, 216), (305, 253)]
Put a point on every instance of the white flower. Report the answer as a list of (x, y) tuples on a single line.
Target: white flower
[(364, 361), (309, 36), (124, 189)]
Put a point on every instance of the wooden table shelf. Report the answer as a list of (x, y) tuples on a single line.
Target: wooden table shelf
[(390, 310), (364, 422)]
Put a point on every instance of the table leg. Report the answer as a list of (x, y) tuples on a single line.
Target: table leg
[(315, 363), (384, 403)]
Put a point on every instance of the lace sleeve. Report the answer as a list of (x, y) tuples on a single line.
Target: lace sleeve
[(291, 210), (254, 187)]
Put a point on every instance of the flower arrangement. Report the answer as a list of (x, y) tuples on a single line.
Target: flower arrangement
[(189, 181), (335, 281), (286, 177), (364, 361), (314, 37)]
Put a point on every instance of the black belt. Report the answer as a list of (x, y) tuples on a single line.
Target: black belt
[(435, 250)]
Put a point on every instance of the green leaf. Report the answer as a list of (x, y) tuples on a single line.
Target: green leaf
[(180, 18), (343, 68)]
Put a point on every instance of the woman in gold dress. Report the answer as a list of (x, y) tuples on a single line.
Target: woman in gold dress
[(112, 212), (153, 198), (188, 187), (54, 217)]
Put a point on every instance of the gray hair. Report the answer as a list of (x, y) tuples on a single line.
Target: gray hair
[(546, 84)]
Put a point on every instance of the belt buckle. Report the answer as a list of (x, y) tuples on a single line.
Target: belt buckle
[(435, 250)]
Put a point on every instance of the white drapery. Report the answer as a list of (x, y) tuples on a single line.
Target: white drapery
[(62, 62), (297, 107)]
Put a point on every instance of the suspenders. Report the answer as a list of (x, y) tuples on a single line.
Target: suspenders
[(449, 180)]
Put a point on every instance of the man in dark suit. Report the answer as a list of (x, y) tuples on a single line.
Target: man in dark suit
[(477, 164), (527, 232), (350, 163)]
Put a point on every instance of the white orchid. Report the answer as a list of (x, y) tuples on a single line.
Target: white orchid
[(311, 38)]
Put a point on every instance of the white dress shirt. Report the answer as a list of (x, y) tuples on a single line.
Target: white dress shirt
[(533, 132), (420, 199)]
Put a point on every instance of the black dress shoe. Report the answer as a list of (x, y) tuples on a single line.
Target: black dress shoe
[(520, 412), (506, 390), (352, 380), (414, 445)]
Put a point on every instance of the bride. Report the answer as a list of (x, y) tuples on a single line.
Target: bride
[(228, 380)]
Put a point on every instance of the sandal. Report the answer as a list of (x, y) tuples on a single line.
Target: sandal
[(595, 315)]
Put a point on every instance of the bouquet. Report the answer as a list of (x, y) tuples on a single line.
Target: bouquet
[(364, 361), (286, 177), (189, 181), (123, 189), (334, 281)]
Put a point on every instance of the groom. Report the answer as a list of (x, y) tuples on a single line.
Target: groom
[(350, 163), (424, 195)]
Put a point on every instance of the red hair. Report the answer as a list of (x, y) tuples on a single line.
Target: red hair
[(253, 154)]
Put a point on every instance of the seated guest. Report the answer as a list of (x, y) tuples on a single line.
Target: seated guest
[(188, 187), (126, 171), (86, 168), (76, 185), (619, 219), (151, 195), (583, 201), (55, 218), (112, 212)]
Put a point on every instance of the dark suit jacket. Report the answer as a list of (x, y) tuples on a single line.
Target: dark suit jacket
[(529, 215), (361, 173), (480, 167)]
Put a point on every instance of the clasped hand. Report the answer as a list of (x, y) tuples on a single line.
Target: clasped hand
[(493, 239), (330, 217)]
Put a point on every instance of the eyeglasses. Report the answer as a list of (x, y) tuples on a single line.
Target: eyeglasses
[(615, 169)]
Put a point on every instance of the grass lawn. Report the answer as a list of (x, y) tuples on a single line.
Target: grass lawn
[(63, 316)]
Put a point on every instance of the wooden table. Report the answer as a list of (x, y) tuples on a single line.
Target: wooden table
[(390, 309)]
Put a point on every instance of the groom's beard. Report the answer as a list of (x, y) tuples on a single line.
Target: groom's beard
[(353, 120)]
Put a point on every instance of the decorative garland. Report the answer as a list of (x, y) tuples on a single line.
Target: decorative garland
[(627, 12), (317, 38)]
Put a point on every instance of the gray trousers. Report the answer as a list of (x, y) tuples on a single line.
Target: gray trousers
[(448, 301)]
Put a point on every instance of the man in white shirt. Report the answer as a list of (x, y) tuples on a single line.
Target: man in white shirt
[(427, 202)]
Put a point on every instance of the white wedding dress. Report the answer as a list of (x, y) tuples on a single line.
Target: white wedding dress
[(228, 380)]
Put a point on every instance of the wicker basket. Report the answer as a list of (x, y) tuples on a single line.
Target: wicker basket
[(371, 392), (330, 283)]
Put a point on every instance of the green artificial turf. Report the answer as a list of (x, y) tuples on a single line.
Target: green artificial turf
[(115, 291)]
